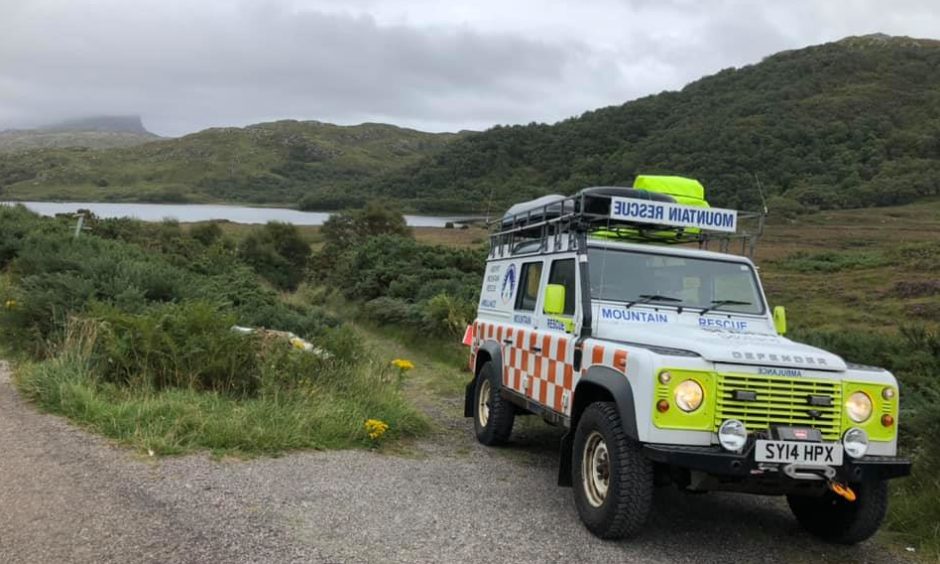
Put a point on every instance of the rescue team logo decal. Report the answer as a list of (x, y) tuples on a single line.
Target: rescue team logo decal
[(509, 284)]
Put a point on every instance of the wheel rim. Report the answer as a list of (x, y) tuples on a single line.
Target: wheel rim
[(483, 403), (595, 469)]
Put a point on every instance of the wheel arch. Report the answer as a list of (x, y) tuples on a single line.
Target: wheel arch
[(601, 383), (488, 351)]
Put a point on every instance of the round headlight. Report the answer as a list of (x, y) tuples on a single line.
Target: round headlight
[(732, 435), (858, 406), (855, 442), (887, 393), (689, 395)]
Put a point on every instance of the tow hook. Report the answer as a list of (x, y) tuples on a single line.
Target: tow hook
[(842, 490)]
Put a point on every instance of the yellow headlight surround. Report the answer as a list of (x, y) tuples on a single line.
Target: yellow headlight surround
[(675, 416)]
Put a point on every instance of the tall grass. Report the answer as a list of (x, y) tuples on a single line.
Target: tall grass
[(293, 406)]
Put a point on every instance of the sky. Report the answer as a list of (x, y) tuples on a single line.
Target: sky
[(434, 65)]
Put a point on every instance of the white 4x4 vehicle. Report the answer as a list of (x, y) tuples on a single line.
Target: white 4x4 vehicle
[(666, 364)]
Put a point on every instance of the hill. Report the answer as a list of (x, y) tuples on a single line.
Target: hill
[(101, 132), (853, 123), (275, 162)]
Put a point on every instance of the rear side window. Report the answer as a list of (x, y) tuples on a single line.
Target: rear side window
[(563, 272), (529, 286)]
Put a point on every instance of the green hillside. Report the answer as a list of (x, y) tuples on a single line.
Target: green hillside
[(266, 163), (848, 124)]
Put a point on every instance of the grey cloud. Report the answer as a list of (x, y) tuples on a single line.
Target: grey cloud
[(185, 65), (265, 61)]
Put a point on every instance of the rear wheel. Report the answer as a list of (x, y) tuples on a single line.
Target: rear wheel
[(613, 481), (493, 416), (835, 519)]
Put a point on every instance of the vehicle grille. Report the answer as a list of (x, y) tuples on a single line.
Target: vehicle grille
[(779, 401)]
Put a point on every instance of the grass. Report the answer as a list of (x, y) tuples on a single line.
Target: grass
[(326, 415)]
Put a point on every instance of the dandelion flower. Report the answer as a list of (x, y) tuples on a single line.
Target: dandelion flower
[(375, 428), (402, 364)]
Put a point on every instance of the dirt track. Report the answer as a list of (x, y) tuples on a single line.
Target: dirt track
[(67, 496)]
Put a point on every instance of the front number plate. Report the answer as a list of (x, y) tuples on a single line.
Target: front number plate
[(805, 454)]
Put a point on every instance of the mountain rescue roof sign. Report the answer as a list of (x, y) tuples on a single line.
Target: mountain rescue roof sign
[(675, 215)]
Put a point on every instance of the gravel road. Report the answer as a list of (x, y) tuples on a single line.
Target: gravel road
[(68, 496)]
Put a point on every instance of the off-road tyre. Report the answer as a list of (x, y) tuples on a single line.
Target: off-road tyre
[(835, 519), (624, 508), (494, 427)]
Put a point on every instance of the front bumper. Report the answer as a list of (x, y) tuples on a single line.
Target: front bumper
[(716, 461)]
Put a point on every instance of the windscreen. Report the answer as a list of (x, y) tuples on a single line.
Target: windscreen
[(629, 276)]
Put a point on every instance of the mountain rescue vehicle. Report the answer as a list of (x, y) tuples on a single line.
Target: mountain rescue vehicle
[(610, 313)]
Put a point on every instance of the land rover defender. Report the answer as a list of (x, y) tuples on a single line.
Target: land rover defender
[(607, 313)]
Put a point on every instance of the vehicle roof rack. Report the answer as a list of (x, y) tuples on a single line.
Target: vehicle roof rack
[(588, 213)]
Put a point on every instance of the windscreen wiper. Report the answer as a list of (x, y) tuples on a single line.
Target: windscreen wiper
[(717, 304), (647, 298)]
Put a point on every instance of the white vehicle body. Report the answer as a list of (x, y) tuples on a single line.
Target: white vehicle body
[(667, 360), (639, 342)]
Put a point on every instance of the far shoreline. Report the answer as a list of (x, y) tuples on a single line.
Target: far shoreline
[(227, 211)]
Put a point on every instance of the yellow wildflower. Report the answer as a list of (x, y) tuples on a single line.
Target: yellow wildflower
[(375, 428), (10, 304), (402, 364)]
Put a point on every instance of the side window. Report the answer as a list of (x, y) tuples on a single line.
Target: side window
[(529, 286), (563, 272)]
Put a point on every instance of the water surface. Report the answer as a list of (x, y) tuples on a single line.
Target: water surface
[(188, 213)]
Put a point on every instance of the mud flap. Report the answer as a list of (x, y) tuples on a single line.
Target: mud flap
[(468, 398), (564, 460)]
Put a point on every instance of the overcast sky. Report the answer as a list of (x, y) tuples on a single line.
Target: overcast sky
[(440, 65)]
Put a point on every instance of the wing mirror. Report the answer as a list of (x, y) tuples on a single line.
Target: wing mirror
[(780, 320)]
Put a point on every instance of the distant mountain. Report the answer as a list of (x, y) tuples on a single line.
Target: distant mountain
[(102, 132), (853, 123), (277, 162), (112, 124)]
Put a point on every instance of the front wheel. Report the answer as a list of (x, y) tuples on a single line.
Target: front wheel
[(493, 416), (838, 520), (613, 481)]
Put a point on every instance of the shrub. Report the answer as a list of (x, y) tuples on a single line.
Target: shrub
[(445, 315), (390, 311), (53, 276), (346, 230), (206, 233), (278, 253), (175, 345)]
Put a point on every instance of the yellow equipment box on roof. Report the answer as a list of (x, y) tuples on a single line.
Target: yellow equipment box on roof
[(686, 191)]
